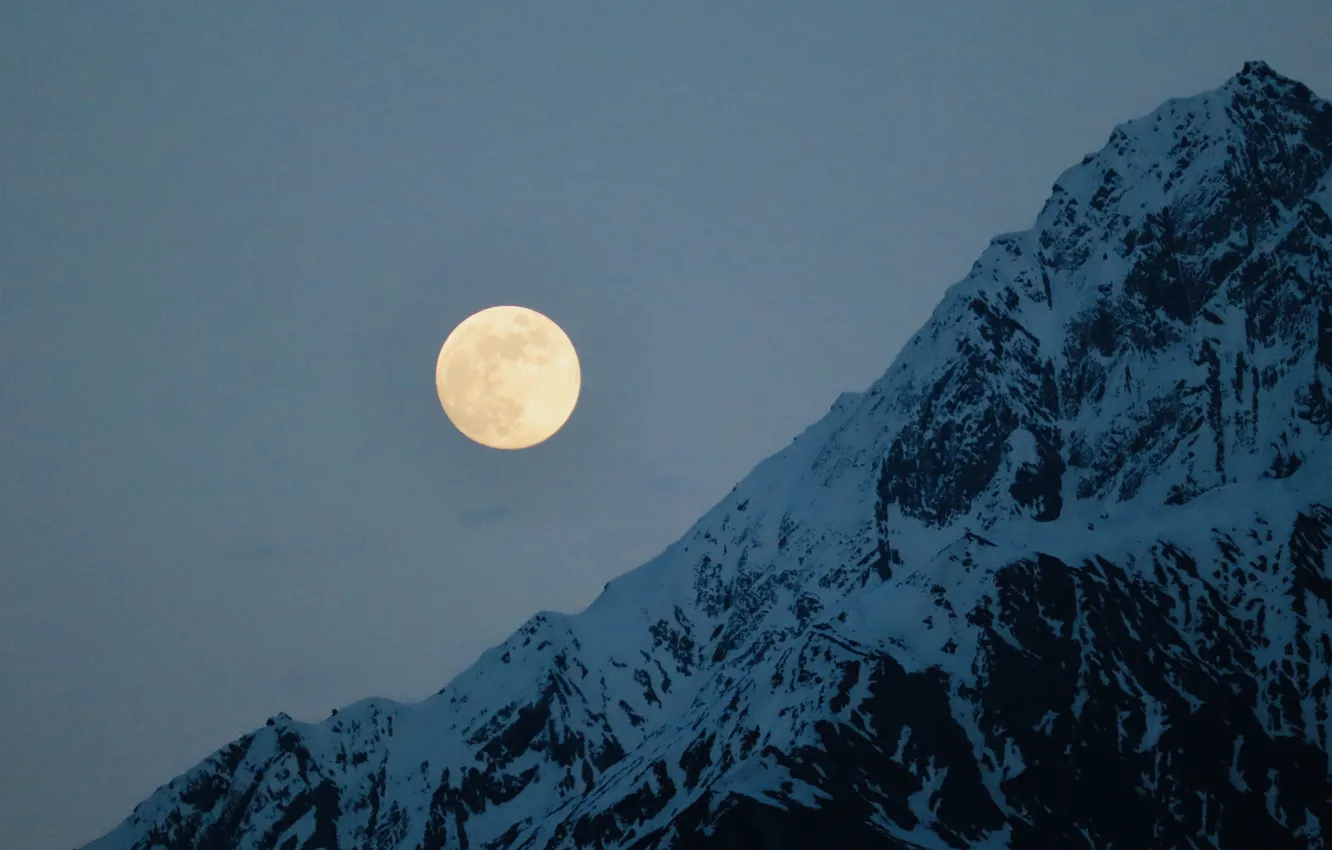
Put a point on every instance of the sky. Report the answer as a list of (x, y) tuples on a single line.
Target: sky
[(234, 236)]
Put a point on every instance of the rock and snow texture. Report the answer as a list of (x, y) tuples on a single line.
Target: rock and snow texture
[(1059, 579)]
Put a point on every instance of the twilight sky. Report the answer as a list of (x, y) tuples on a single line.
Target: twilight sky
[(233, 237)]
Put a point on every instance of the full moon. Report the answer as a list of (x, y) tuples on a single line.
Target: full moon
[(508, 377)]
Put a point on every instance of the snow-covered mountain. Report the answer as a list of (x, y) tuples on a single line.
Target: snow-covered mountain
[(1059, 579)]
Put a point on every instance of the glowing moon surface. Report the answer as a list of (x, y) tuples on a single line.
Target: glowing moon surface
[(508, 377)]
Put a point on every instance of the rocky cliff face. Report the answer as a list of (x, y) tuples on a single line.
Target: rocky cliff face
[(1059, 579)]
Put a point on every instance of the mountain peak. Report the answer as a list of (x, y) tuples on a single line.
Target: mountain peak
[(1258, 81), (1258, 68)]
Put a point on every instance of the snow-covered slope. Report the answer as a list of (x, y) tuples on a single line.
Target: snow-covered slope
[(1059, 578)]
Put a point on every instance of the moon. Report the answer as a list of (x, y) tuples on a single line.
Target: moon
[(508, 377)]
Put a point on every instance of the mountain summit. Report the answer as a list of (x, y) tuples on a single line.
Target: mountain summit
[(1058, 579)]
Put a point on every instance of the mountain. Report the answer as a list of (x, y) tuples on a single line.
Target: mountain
[(1058, 579)]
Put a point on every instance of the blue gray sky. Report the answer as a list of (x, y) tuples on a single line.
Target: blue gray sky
[(233, 237)]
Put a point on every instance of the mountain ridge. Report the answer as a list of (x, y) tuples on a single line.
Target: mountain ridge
[(1085, 506)]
